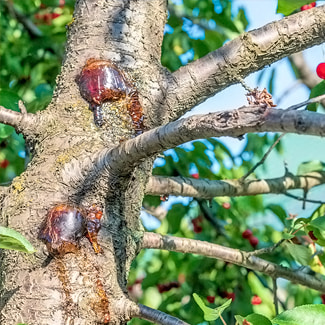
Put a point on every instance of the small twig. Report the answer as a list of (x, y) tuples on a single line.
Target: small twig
[(266, 285), (244, 84), (223, 321), (209, 217), (22, 107), (157, 316), (267, 250), (158, 212), (21, 121), (304, 199), (306, 102), (263, 159), (275, 296), (30, 27)]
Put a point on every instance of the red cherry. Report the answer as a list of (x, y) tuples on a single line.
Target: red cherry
[(312, 236), (167, 286), (226, 205), (320, 70), (55, 15), (247, 234), (256, 300), (253, 241), (323, 299), (211, 299), (197, 229), (4, 163), (306, 7), (231, 295), (196, 175)]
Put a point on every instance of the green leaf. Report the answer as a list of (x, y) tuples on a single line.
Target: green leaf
[(286, 7), (286, 235), (319, 223), (300, 253), (278, 211), (211, 314), (11, 239), (318, 90), (302, 315), (310, 166), (253, 319)]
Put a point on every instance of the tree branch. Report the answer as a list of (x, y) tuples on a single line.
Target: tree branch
[(156, 316), (21, 121), (201, 188), (250, 52), (123, 158), (235, 256), (30, 27)]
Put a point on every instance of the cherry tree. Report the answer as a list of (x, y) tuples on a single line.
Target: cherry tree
[(114, 110)]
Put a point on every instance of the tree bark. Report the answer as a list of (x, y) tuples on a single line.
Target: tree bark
[(81, 288)]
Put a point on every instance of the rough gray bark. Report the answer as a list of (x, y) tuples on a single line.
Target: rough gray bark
[(85, 288), (204, 188)]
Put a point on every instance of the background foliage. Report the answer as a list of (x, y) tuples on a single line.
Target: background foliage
[(31, 56)]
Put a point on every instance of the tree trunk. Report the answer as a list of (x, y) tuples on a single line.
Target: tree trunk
[(80, 288)]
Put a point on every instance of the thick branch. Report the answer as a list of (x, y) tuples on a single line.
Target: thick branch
[(19, 121), (156, 316), (250, 52), (202, 188), (235, 256), (227, 123)]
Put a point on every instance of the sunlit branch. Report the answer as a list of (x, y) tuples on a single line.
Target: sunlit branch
[(250, 52), (19, 120), (230, 255), (156, 316), (201, 188), (235, 123)]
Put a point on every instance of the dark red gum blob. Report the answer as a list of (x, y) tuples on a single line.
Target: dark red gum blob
[(102, 81), (66, 224)]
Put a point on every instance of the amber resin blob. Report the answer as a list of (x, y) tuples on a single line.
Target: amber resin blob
[(102, 81), (66, 224)]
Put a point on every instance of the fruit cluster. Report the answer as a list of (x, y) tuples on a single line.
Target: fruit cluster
[(46, 16), (306, 7), (248, 234), (164, 287)]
